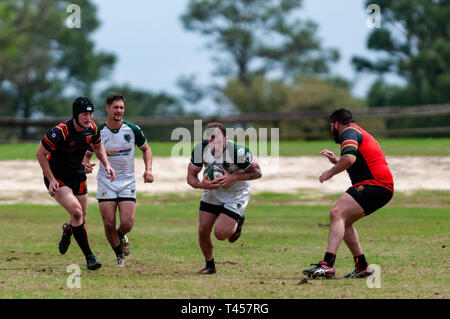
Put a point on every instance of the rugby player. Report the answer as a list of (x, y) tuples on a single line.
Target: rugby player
[(119, 138), (225, 198), (60, 155), (372, 188)]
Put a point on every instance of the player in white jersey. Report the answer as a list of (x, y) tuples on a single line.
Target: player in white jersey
[(225, 198), (119, 138)]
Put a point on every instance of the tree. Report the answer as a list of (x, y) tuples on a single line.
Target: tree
[(302, 93), (414, 43), (143, 103), (43, 62), (257, 37)]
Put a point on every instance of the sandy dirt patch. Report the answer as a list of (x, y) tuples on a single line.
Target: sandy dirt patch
[(21, 180)]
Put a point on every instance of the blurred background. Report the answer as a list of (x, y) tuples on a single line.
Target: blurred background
[(248, 63)]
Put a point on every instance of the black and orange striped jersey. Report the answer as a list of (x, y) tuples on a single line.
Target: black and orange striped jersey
[(67, 148), (370, 167)]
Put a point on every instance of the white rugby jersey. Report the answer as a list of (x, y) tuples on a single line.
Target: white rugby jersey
[(234, 159), (119, 145)]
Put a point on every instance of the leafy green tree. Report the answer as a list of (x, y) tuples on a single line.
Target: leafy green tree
[(143, 103), (302, 93), (257, 37), (44, 64), (414, 44)]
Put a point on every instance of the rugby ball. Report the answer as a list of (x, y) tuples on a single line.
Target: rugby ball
[(213, 172)]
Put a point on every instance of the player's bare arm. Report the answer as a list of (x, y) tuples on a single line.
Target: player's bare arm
[(252, 172), (192, 179), (88, 166), (342, 164), (99, 150), (41, 156), (148, 160)]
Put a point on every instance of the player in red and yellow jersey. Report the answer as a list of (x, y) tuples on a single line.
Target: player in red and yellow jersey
[(372, 188), (60, 155)]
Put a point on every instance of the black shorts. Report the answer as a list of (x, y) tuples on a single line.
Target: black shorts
[(117, 199), (78, 187), (218, 209), (370, 197)]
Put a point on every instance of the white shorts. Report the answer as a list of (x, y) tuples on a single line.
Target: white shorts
[(235, 202), (119, 189)]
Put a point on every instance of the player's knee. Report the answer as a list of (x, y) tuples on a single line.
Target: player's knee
[(335, 213), (109, 224), (126, 227), (221, 234), (76, 212), (204, 231)]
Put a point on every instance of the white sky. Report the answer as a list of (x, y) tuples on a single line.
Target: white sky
[(153, 49)]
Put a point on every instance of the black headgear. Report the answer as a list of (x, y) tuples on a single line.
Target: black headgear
[(80, 105), (342, 116)]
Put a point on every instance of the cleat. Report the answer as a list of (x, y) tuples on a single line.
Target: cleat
[(64, 243), (321, 270), (360, 273), (208, 271), (120, 261), (124, 242), (238, 231), (93, 263)]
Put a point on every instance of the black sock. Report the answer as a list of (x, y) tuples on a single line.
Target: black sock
[(119, 233), (118, 250), (329, 259), (210, 263), (360, 261), (80, 234)]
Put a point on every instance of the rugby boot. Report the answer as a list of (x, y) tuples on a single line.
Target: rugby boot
[(238, 231), (64, 243), (124, 242), (360, 273), (92, 262), (321, 270), (208, 270), (120, 261)]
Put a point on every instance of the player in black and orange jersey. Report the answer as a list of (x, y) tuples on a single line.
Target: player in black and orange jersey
[(60, 155), (372, 188)]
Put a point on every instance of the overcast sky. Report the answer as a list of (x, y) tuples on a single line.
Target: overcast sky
[(153, 49)]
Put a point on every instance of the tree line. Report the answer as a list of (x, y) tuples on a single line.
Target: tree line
[(267, 60)]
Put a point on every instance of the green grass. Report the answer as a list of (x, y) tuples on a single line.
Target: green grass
[(283, 234), (391, 147)]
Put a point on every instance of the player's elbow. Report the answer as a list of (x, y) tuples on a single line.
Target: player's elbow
[(189, 181), (349, 161)]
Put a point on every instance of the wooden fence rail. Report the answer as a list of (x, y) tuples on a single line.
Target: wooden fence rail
[(378, 112)]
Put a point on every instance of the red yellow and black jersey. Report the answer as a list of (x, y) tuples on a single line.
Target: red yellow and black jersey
[(370, 167), (67, 148)]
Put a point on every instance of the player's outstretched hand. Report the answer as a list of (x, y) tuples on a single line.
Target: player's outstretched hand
[(330, 155), (88, 168), (111, 173), (148, 176)]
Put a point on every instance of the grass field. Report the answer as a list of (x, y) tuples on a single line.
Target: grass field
[(283, 234), (391, 147)]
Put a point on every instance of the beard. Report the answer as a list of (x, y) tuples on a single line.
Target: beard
[(336, 136)]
